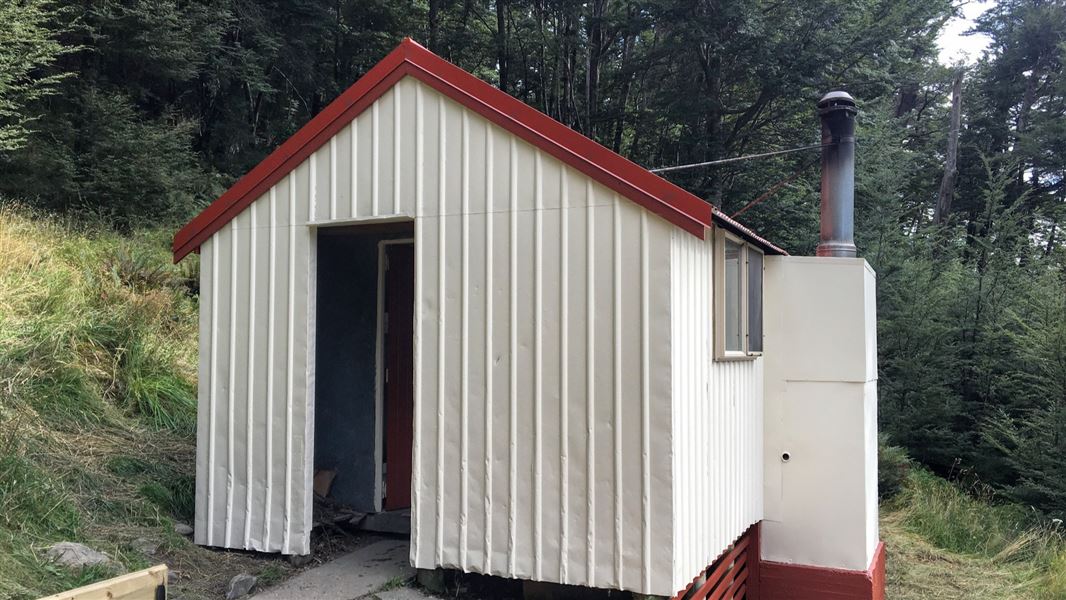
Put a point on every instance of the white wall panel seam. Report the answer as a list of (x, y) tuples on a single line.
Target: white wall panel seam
[(590, 379), (213, 402), (441, 304), (682, 386), (271, 285), (249, 399), (690, 393), (488, 351), (513, 358), (645, 405), (374, 158), (464, 383), (232, 372), (332, 177), (538, 373), (308, 445), (203, 388), (700, 399), (417, 429), (289, 351), (684, 482), (354, 183), (616, 354), (676, 368), (312, 189), (679, 384), (396, 150), (564, 404)]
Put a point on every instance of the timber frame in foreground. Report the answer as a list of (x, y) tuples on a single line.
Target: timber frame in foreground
[(149, 584)]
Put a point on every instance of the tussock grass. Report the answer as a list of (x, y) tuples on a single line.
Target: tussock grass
[(97, 407), (94, 327), (97, 366), (947, 542)]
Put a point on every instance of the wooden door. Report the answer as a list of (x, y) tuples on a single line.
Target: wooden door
[(399, 374)]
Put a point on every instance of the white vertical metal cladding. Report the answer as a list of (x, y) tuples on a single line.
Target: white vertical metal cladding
[(542, 353), (254, 453), (543, 317), (717, 421)]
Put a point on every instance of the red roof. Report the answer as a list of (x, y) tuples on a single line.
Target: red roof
[(409, 58)]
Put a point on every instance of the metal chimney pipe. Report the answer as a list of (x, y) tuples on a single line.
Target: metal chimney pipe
[(837, 111)]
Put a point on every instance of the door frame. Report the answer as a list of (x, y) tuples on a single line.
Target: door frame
[(379, 374)]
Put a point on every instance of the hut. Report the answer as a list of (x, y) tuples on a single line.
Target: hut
[(448, 305)]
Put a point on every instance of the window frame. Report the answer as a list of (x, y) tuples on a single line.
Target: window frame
[(720, 352)]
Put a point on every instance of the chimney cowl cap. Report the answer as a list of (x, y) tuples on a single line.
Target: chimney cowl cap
[(837, 100)]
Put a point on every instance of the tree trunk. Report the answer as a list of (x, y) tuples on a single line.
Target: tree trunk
[(434, 24), (627, 79), (338, 85), (501, 41), (592, 68), (907, 99), (951, 168)]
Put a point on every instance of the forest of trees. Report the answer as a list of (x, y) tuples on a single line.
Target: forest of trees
[(137, 113)]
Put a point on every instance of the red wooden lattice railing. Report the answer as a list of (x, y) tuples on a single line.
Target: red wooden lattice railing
[(733, 576)]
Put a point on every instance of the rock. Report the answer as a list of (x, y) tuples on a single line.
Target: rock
[(182, 529), (240, 585), (145, 546), (75, 555)]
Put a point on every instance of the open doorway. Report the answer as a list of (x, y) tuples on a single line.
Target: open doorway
[(364, 366)]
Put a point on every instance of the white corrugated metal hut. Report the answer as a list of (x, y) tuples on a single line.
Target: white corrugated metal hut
[(497, 322)]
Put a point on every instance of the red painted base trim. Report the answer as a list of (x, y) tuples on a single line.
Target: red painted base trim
[(780, 581)]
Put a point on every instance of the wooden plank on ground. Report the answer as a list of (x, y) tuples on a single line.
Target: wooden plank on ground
[(149, 584)]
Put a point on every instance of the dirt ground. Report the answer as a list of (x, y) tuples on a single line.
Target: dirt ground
[(203, 573)]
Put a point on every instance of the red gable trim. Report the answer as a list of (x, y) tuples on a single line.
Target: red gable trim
[(610, 169)]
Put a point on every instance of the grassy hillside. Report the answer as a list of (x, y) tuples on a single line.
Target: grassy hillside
[(944, 543), (97, 405)]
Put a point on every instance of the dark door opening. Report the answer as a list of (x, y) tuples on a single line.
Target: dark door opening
[(399, 374), (350, 361)]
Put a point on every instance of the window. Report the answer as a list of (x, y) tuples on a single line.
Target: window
[(738, 298)]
